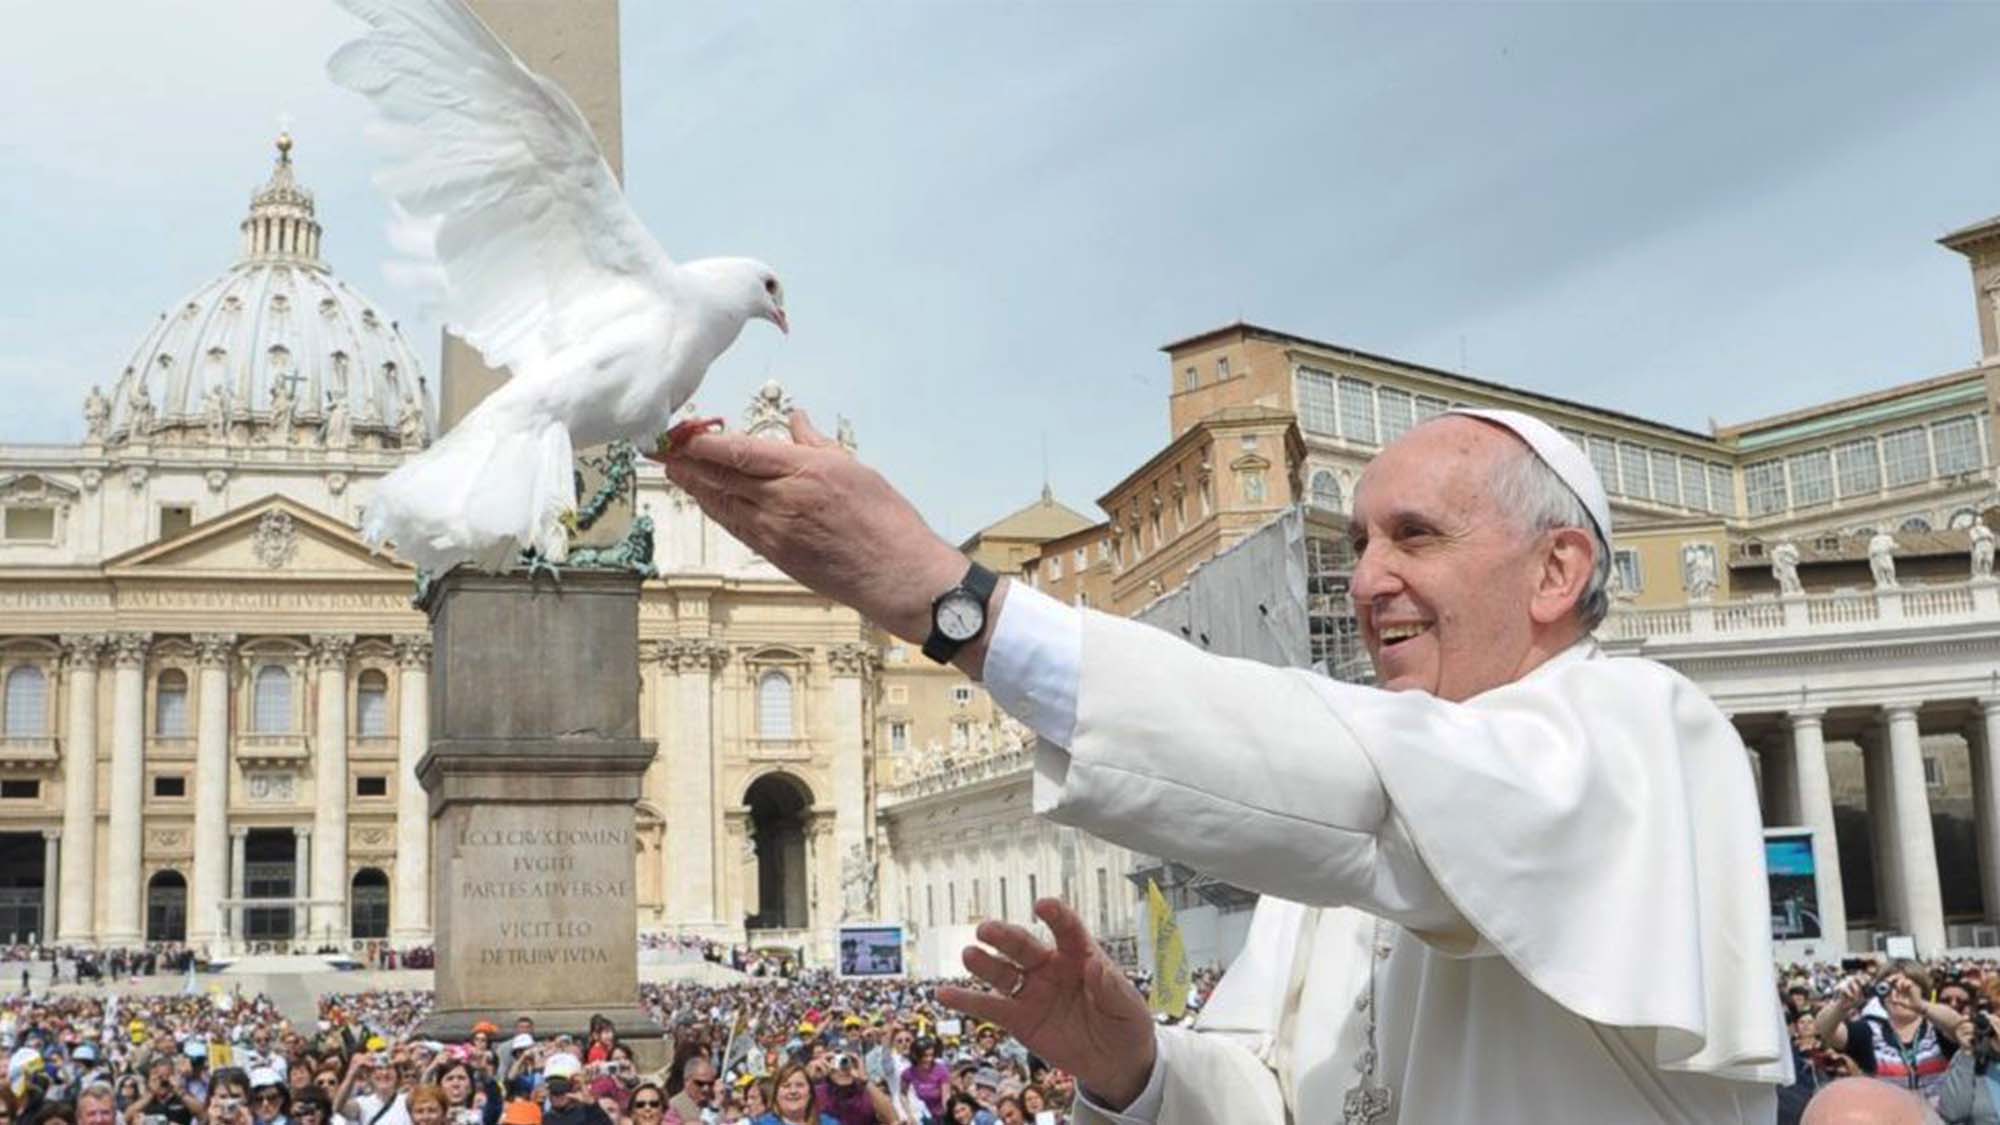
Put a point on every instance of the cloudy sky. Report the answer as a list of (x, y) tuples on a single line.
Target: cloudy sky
[(990, 215)]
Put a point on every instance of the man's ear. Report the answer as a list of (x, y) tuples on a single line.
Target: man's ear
[(1569, 556)]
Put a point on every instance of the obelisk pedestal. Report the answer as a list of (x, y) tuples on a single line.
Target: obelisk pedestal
[(533, 771)]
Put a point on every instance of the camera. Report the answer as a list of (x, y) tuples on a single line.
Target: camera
[(1882, 989), (845, 1061)]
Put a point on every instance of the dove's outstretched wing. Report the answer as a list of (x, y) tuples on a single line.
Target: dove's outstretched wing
[(497, 173)]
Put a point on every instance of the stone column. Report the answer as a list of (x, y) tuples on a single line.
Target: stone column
[(128, 782), (692, 899), (51, 867), (851, 665), (303, 919), (330, 785), (211, 789), (79, 866), (232, 920), (1982, 739), (1920, 901), (1813, 797), (410, 906)]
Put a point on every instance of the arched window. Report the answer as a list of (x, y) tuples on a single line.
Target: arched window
[(1326, 490), (1963, 519), (371, 704), (774, 705), (271, 710), (166, 907), (368, 904), (170, 704), (1915, 523), (27, 703)]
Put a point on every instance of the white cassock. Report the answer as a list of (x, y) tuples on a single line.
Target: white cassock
[(1570, 869)]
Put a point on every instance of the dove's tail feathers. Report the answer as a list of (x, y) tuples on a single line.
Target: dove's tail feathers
[(479, 495)]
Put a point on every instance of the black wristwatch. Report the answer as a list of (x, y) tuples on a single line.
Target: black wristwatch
[(959, 614)]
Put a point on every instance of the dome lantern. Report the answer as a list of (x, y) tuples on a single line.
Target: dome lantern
[(281, 226)]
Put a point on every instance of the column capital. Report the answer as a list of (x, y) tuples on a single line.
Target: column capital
[(302, 830), (82, 651), (1805, 716), (212, 650), (238, 831), (413, 650), (329, 650), (1901, 709), (51, 833), (1989, 705), (853, 660), (128, 650)]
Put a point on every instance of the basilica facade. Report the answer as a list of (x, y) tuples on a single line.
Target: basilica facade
[(213, 696)]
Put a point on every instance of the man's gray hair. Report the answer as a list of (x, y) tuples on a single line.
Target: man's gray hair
[(1539, 501), (695, 1064), (99, 1091)]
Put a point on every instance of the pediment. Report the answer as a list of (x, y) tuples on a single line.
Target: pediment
[(275, 536), (29, 487)]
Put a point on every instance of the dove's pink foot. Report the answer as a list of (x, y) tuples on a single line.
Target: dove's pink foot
[(679, 435)]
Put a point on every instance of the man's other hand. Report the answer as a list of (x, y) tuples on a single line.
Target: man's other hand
[(1069, 1005)]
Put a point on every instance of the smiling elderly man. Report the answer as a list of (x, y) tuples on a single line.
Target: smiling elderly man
[(1561, 853)]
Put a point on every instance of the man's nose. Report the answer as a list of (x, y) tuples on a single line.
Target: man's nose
[(1374, 577)]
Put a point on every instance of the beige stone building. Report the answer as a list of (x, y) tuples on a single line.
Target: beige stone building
[(213, 696)]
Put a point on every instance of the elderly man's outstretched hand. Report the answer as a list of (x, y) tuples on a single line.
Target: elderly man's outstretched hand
[(822, 517), (1069, 1004)]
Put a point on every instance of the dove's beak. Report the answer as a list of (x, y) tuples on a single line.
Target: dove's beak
[(783, 322)]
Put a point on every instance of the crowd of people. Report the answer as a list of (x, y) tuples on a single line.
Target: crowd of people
[(1932, 1028)]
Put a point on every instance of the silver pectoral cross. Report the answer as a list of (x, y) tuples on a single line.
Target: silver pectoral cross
[(1365, 1105)]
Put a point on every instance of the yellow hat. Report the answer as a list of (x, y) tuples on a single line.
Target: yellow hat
[(807, 1029), (746, 1081), (851, 1021), (376, 1043)]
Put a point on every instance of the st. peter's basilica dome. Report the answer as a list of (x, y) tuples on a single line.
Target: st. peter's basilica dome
[(276, 349)]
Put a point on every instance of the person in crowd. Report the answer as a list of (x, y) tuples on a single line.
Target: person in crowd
[(927, 1078), (372, 1092), (470, 1099), (426, 1106), (270, 1098), (311, 1106), (1867, 1101), (697, 1080), (846, 1094), (1895, 1035), (792, 1100), (964, 1109), (164, 1096), (568, 1103), (97, 1105), (647, 1107)]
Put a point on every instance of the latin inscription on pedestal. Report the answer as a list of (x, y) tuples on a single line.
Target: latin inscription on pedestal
[(530, 887)]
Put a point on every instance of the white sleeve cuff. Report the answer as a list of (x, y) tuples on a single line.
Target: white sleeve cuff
[(1145, 1109), (1034, 660)]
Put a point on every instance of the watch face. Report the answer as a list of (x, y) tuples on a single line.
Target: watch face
[(960, 616)]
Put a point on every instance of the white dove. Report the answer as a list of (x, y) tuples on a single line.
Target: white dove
[(496, 180)]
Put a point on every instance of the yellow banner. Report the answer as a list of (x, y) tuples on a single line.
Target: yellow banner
[(1170, 968)]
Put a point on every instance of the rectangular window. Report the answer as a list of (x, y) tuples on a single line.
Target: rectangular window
[(1103, 901), (1054, 563), (1221, 368), (1955, 443), (1812, 478), (29, 525), (1190, 378), (174, 519), (1933, 773), (1357, 410), (1764, 487), (1315, 390), (1033, 894), (1906, 456), (930, 906), (899, 738), (899, 693), (978, 904), (1429, 408), (1721, 490), (1082, 558), (21, 789), (1398, 412), (1004, 915), (1575, 437), (1604, 458), (373, 785), (1634, 472), (170, 785), (1666, 478), (1694, 484), (962, 694), (1858, 467), (1627, 565), (951, 903)]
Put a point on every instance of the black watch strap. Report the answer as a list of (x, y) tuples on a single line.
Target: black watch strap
[(980, 583)]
